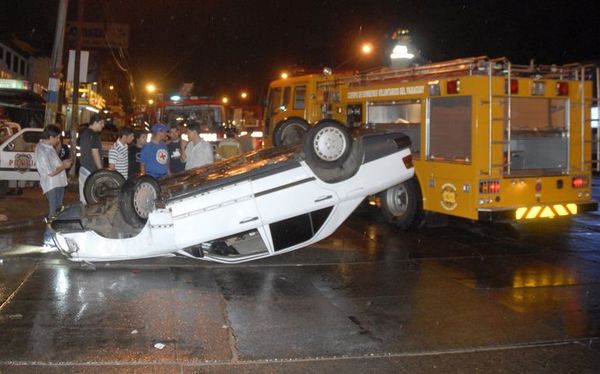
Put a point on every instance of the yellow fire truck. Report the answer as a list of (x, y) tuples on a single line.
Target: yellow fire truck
[(491, 140)]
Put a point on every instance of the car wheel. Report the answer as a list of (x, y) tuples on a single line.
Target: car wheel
[(3, 188), (328, 144), (402, 205), (138, 198), (290, 131), (101, 184)]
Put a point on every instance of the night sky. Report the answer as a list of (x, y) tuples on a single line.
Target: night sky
[(224, 46)]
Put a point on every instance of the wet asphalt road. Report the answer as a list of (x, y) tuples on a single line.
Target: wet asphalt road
[(461, 298)]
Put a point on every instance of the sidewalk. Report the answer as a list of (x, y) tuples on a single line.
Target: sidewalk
[(30, 208)]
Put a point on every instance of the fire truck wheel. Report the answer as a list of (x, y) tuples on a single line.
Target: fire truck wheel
[(402, 205), (102, 184), (327, 144), (137, 199), (290, 131)]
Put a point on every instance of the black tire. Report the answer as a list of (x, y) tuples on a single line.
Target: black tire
[(102, 184), (290, 131), (137, 199), (3, 188), (402, 205), (327, 145)]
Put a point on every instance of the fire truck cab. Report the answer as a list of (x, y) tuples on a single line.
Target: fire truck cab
[(296, 103)]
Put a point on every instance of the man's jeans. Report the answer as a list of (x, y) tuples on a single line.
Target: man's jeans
[(55, 199), (83, 175)]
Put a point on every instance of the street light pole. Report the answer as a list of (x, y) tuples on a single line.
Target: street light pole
[(52, 100)]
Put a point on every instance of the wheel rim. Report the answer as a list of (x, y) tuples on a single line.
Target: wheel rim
[(397, 200), (143, 199), (329, 143), (292, 134)]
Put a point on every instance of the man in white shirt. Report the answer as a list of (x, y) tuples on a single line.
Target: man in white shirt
[(118, 155), (53, 178), (197, 151)]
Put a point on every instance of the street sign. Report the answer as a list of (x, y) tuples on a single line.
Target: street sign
[(100, 35)]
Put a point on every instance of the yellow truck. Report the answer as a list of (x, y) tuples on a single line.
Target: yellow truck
[(491, 140)]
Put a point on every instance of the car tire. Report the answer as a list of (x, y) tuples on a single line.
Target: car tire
[(290, 131), (4, 188), (328, 144), (102, 184), (402, 205), (137, 199)]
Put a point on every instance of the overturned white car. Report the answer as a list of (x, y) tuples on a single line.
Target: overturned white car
[(255, 205)]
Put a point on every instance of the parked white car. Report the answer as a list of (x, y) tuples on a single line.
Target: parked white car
[(17, 147), (252, 206)]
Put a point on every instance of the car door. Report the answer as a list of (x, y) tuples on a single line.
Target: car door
[(293, 205), (16, 155)]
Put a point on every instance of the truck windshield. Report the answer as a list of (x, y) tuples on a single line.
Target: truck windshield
[(210, 117)]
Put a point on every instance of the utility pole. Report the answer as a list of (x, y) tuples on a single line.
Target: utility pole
[(75, 96), (52, 102)]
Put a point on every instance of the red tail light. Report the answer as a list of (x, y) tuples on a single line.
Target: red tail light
[(408, 161), (580, 182), (489, 186), (538, 187), (514, 86), (562, 88), (453, 86)]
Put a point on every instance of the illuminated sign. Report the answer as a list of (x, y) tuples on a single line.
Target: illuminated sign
[(14, 84)]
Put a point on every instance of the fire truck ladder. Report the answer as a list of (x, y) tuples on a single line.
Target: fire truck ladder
[(595, 140), (470, 66)]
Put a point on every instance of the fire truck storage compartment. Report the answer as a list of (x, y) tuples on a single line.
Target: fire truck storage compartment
[(539, 135), (449, 129), (404, 115)]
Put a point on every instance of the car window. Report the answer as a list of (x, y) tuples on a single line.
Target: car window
[(25, 142)]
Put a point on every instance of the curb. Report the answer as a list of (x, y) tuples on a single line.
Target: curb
[(6, 226)]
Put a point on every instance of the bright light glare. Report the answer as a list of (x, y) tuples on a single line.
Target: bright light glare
[(257, 134), (401, 51), (209, 137), (150, 87), (284, 75), (367, 48), (244, 95)]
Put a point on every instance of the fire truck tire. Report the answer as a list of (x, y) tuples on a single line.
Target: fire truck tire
[(137, 199), (402, 205), (102, 184), (290, 131), (327, 145)]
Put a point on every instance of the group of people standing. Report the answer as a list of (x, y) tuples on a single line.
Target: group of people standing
[(131, 154)]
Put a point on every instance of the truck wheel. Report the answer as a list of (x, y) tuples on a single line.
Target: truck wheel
[(137, 199), (101, 184), (327, 144), (402, 205), (290, 131)]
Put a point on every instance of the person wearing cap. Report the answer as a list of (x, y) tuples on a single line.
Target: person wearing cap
[(90, 146), (197, 151), (155, 155)]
